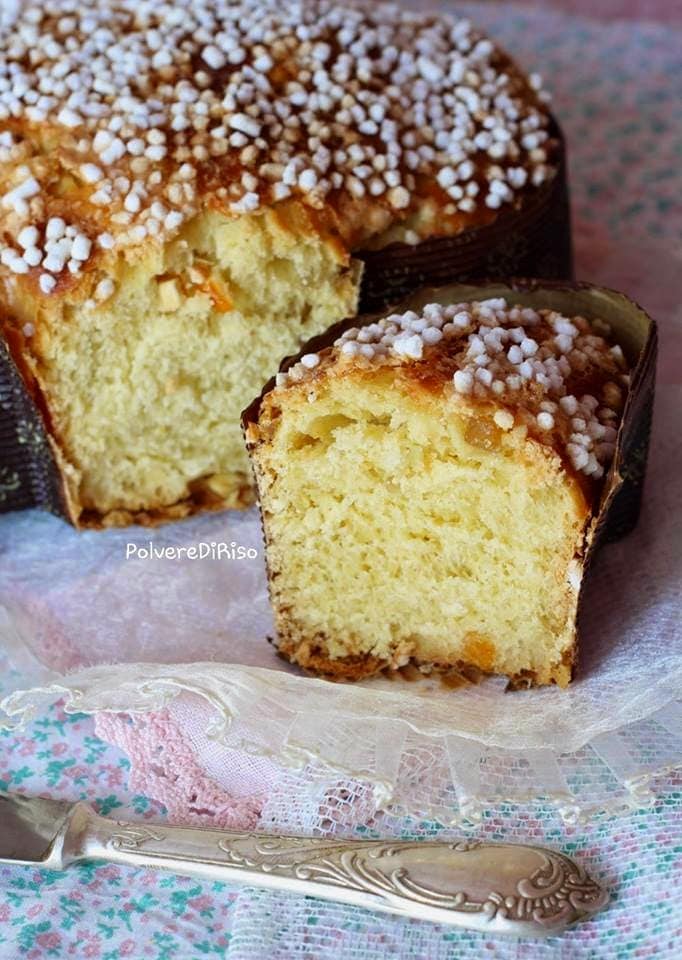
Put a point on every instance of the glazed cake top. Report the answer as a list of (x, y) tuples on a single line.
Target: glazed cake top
[(119, 120), (558, 376)]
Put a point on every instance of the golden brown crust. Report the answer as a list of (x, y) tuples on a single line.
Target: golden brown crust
[(241, 497), (313, 658), (208, 158)]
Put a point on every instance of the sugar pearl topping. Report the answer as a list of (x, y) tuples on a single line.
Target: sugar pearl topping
[(557, 376), (138, 112)]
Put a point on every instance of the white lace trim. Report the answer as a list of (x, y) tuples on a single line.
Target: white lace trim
[(409, 769)]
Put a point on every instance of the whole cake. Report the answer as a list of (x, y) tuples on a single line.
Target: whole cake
[(188, 191), (431, 482)]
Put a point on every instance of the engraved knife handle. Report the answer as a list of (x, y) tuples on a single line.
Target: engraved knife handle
[(499, 888)]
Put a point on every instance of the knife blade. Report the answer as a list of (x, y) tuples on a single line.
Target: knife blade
[(497, 888)]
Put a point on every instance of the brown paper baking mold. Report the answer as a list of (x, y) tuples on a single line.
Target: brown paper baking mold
[(532, 241)]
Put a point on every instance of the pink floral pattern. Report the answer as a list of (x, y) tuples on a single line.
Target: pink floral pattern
[(99, 912)]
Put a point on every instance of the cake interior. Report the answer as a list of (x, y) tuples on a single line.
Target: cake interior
[(145, 390), (448, 540)]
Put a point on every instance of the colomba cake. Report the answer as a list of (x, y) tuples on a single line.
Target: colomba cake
[(189, 191), (433, 482)]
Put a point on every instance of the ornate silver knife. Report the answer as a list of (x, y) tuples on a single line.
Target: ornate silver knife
[(497, 888)]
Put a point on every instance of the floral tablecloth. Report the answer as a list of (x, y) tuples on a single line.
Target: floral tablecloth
[(107, 912), (617, 90)]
